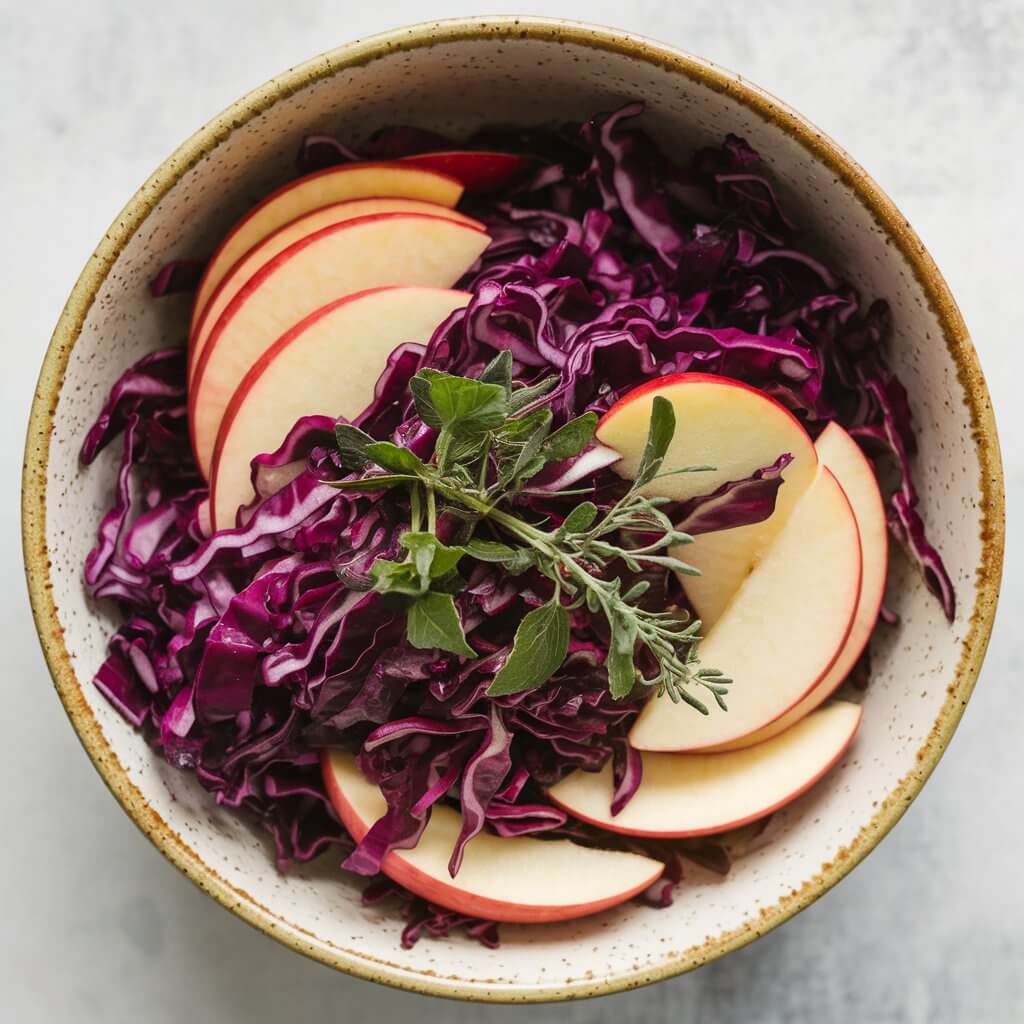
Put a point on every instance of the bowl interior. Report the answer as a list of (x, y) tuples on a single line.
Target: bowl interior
[(453, 82)]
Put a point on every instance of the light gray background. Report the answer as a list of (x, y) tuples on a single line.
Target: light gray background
[(95, 926)]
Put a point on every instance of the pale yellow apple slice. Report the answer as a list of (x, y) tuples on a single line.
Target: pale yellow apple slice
[(781, 632), (738, 430), (295, 231), (700, 794), (326, 364), (842, 455), (322, 188), (371, 252), (502, 879)]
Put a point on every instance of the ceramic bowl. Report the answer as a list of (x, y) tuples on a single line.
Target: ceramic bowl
[(452, 77)]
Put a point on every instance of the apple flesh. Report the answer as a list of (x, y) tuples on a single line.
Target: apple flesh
[(738, 430), (842, 455), (521, 879), (328, 363), (700, 794), (480, 171), (295, 231), (356, 255), (322, 188), (781, 632)]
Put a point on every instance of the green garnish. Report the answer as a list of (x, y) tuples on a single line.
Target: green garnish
[(492, 440)]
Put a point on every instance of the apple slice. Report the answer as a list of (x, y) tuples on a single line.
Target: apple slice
[(295, 231), (517, 879), (842, 455), (328, 363), (371, 252), (480, 171), (322, 188), (733, 427), (781, 632), (699, 794)]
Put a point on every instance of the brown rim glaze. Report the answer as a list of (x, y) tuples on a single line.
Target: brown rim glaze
[(823, 149)]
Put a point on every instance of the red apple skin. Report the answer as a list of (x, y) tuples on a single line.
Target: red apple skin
[(449, 895), (201, 315), (287, 187), (479, 171), (686, 834), (252, 285)]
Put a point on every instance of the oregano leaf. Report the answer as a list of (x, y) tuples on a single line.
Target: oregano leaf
[(390, 456), (499, 371), (468, 406), (433, 621), (352, 443), (420, 388), (538, 650), (523, 397)]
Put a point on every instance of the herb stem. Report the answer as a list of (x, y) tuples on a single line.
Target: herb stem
[(415, 509), (431, 509)]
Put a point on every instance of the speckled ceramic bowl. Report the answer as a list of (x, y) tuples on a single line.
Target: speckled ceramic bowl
[(454, 76)]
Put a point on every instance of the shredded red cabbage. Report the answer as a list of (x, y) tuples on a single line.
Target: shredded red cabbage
[(244, 652)]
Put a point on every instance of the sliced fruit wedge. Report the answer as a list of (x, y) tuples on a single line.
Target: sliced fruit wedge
[(738, 430), (329, 364), (295, 231), (781, 632), (322, 188), (515, 879), (700, 794), (371, 252), (480, 171), (842, 455)]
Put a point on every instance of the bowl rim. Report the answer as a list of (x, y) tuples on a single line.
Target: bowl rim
[(508, 29)]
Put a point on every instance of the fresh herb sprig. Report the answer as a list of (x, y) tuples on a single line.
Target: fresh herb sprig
[(493, 439)]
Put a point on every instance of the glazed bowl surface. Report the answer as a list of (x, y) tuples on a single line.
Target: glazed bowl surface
[(453, 77)]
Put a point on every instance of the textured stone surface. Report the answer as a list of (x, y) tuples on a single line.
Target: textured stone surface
[(97, 927)]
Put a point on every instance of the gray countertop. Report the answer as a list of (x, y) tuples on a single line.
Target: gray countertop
[(97, 927)]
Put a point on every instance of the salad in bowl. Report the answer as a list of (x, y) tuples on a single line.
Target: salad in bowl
[(513, 523)]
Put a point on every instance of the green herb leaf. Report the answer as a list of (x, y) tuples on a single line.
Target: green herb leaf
[(420, 388), (516, 431), (522, 560), (433, 559), (570, 438), (398, 460), (538, 650), (352, 444), (397, 578), (499, 371), (620, 661), (433, 621), (488, 550), (527, 396), (659, 437), (636, 591), (468, 406), (528, 463), (580, 519)]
